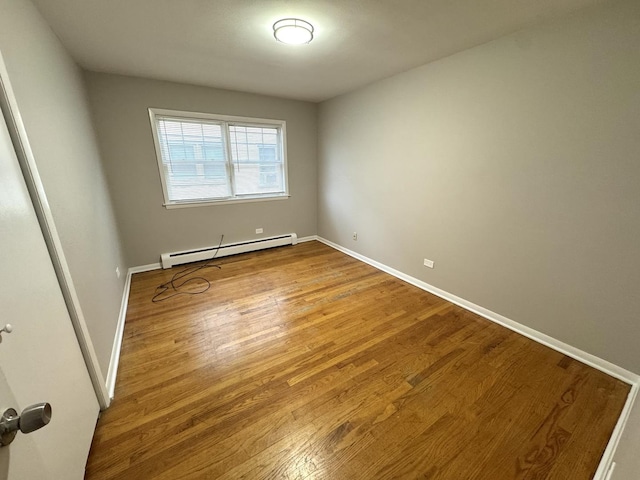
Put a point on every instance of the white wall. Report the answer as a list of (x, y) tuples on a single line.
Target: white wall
[(120, 109), (515, 166), (52, 100)]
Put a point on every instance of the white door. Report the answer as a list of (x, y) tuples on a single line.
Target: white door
[(40, 361), (29, 463)]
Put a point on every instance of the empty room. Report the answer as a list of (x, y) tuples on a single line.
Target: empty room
[(320, 239)]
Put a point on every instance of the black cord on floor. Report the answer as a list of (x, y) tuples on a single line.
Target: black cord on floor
[(173, 286)]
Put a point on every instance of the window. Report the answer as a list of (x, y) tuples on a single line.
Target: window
[(206, 159)]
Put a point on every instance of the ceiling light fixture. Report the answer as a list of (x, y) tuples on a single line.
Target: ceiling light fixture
[(293, 31)]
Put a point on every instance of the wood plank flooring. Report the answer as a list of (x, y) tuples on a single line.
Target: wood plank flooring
[(303, 363)]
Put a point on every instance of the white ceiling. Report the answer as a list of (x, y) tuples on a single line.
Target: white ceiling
[(229, 43)]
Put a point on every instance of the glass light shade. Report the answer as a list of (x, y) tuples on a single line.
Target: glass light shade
[(293, 31)]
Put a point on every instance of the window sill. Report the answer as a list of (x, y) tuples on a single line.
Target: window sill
[(209, 203)]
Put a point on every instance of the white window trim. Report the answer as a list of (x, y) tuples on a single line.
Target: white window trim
[(248, 121)]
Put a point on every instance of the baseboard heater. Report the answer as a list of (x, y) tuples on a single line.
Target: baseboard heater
[(178, 258)]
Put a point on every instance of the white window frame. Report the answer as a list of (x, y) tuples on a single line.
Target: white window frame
[(226, 120)]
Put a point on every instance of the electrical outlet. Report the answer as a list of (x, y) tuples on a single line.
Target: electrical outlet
[(355, 235), (259, 230), (118, 272), (428, 263)]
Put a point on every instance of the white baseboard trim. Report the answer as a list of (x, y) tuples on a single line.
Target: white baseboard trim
[(573, 352), (605, 467), (307, 239), (117, 342), (145, 268)]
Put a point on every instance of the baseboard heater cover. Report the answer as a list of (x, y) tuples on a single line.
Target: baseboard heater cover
[(178, 258)]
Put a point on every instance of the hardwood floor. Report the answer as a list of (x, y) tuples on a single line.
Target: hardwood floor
[(303, 363)]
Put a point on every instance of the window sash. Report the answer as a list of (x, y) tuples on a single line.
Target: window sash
[(187, 172)]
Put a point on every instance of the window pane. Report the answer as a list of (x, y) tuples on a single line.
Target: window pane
[(256, 158), (206, 157), (193, 159)]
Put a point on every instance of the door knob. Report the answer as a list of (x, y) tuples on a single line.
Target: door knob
[(32, 418)]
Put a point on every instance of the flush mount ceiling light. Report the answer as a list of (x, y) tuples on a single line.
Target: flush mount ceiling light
[(293, 31)]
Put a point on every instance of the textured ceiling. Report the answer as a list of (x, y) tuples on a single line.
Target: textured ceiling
[(229, 43)]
